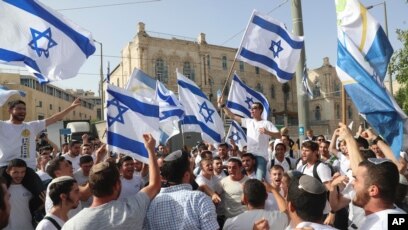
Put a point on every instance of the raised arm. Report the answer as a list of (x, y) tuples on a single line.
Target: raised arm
[(227, 111), (59, 116), (332, 147), (352, 147), (385, 148), (154, 174)]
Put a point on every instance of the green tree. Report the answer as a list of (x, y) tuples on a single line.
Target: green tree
[(398, 68)]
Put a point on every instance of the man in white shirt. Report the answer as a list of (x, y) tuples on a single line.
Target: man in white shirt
[(73, 154), (249, 163), (131, 184)]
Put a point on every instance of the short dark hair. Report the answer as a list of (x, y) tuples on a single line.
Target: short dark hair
[(58, 188), (223, 145), (235, 160), (385, 176), (255, 193), (308, 206), (250, 155), (74, 142), (123, 159), (54, 165), (280, 144), (173, 171), (217, 158), (14, 103), (204, 153), (277, 167), (44, 148), (259, 104), (310, 145), (102, 179), (85, 159), (16, 163)]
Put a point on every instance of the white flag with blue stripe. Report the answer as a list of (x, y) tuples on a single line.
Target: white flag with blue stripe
[(6, 93), (268, 45), (170, 112), (362, 76), (142, 84), (45, 42), (237, 134), (241, 97), (199, 113), (129, 116)]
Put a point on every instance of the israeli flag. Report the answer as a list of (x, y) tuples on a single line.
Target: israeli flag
[(129, 116), (305, 81), (39, 38), (171, 112), (237, 134), (199, 113), (241, 97), (369, 95), (142, 84), (6, 93), (268, 45)]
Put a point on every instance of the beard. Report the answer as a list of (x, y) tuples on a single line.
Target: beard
[(361, 199), (19, 117)]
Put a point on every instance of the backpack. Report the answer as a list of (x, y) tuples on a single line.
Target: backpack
[(315, 174), (287, 160)]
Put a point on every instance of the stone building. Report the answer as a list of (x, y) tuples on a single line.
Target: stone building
[(208, 65)]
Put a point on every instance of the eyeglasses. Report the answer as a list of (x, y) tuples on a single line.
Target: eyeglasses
[(378, 161)]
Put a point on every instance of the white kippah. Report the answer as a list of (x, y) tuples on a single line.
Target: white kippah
[(61, 179)]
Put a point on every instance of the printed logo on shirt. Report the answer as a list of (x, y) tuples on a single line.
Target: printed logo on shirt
[(25, 144), (397, 221)]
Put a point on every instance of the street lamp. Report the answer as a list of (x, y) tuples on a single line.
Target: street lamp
[(386, 30), (101, 80)]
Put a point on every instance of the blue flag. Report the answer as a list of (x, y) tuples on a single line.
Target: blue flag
[(268, 45), (241, 97), (129, 116), (34, 36), (237, 134), (199, 113), (362, 75)]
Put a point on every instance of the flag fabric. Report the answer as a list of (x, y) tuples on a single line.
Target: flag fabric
[(142, 84), (199, 113), (49, 45), (237, 134), (129, 116), (170, 112), (268, 45), (6, 93), (362, 77), (305, 81), (241, 97)]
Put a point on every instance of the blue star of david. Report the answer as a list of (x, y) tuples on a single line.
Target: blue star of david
[(38, 41), (209, 112), (121, 110), (276, 48), (235, 136), (249, 101)]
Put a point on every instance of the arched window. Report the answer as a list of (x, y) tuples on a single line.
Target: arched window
[(318, 115), (188, 71), (161, 70), (316, 89), (273, 91), (256, 69)]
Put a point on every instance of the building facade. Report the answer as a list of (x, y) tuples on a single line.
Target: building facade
[(43, 101)]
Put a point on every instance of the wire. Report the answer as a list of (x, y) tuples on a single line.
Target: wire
[(108, 5)]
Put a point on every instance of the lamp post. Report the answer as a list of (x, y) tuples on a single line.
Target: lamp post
[(101, 79), (384, 3)]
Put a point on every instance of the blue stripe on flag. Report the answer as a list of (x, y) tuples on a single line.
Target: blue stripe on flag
[(380, 53), (236, 106), (278, 30), (267, 62), (33, 8), (192, 88), (148, 110), (171, 113), (11, 56), (125, 143), (192, 120), (251, 91), (239, 129)]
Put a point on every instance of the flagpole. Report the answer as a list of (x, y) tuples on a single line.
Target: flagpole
[(229, 75), (343, 105)]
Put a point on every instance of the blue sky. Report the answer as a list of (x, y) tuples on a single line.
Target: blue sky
[(220, 20)]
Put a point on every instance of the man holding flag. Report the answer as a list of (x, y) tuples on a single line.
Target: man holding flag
[(258, 133)]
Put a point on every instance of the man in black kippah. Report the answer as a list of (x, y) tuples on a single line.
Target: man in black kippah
[(306, 201)]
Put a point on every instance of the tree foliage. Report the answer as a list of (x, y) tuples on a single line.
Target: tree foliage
[(398, 68)]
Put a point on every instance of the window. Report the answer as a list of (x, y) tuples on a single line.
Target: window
[(349, 112), (317, 113), (224, 62), (259, 88), (257, 70), (336, 89), (241, 66), (208, 62), (117, 82), (39, 104), (50, 106), (59, 109), (316, 89), (188, 71), (337, 108), (161, 71), (273, 91)]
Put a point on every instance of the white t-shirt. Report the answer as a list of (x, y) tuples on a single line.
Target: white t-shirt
[(130, 187), (48, 225), (74, 161), (20, 216), (344, 163), (379, 220), (246, 220), (18, 141), (213, 183), (49, 205), (258, 143), (231, 196), (221, 176), (43, 175), (80, 177), (314, 226), (285, 164), (270, 203)]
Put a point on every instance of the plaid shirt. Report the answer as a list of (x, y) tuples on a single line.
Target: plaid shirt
[(178, 207)]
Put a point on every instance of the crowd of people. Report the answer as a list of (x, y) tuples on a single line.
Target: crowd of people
[(346, 182)]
